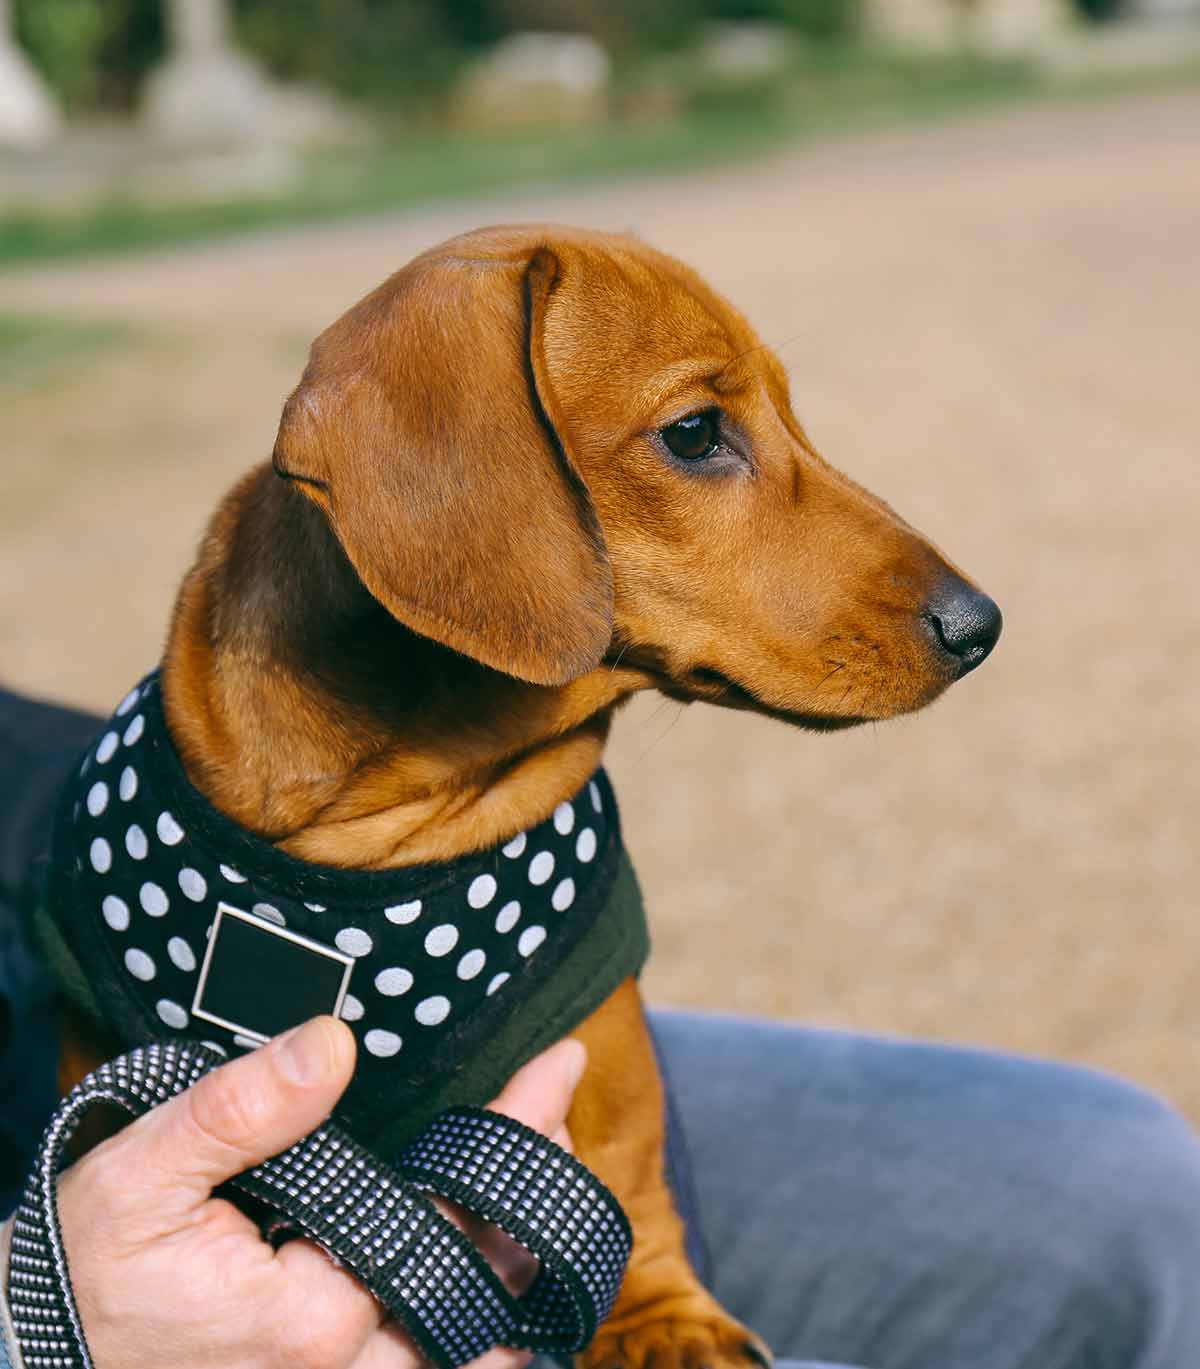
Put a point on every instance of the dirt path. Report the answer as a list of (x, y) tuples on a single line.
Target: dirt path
[(994, 324)]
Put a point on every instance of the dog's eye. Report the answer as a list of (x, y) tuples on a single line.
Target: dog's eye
[(692, 438)]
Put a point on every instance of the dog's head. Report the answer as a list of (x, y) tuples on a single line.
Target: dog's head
[(548, 449)]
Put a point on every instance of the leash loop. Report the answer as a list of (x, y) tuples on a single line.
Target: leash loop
[(371, 1216)]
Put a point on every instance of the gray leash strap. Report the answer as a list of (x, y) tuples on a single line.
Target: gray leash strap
[(372, 1217)]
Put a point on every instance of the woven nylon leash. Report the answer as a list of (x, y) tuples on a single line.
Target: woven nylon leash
[(372, 1217)]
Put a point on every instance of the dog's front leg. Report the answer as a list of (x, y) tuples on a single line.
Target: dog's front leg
[(617, 1124)]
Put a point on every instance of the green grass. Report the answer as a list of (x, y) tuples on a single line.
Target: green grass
[(29, 345), (825, 92)]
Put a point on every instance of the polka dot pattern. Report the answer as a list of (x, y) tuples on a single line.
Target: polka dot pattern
[(181, 954), (171, 1013), (435, 958), (441, 940), (431, 1012), (541, 867), (169, 831), (482, 890), (394, 981), (382, 1044), (508, 917), (353, 941), (116, 912)]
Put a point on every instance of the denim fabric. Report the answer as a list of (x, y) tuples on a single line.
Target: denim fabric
[(892, 1205)]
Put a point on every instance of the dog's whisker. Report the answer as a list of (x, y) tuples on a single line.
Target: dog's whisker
[(663, 733)]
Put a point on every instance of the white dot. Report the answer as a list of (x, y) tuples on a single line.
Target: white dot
[(508, 916), (100, 855), (516, 846), (134, 731), (563, 895), (530, 939), (129, 783), (181, 954), (442, 939), (135, 842), (116, 912), (139, 964), (585, 845), (353, 941), (97, 798), (497, 981), (471, 964), (564, 819), (153, 899), (382, 1043), (482, 891), (171, 1013), (430, 1011), (315, 907), (541, 867), (393, 982), (127, 703), (232, 875), (169, 831), (108, 744), (352, 1009), (403, 913), (594, 791), (269, 913), (193, 884)]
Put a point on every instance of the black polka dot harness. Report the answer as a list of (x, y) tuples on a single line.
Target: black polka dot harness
[(169, 923)]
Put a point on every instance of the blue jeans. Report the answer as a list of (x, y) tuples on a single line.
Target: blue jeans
[(890, 1205)]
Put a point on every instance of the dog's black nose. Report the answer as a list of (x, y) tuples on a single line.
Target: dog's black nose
[(965, 621)]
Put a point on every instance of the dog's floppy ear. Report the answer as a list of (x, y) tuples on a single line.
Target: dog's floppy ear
[(419, 428)]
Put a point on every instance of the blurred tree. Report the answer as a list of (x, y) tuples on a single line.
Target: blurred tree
[(94, 52), (403, 52), (63, 37)]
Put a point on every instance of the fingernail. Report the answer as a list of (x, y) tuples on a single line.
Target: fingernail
[(304, 1054), (577, 1059)]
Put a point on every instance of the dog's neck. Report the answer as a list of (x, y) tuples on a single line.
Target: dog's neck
[(307, 714)]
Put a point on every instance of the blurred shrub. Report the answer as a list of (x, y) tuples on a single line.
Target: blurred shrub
[(64, 38), (96, 52), (93, 52), (394, 51)]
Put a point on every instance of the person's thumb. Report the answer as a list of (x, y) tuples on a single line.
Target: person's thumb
[(540, 1093), (232, 1119)]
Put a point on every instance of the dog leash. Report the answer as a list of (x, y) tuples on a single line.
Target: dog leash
[(372, 1217)]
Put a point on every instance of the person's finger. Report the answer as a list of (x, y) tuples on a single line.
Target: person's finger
[(311, 1278), (232, 1119), (540, 1093), (391, 1347)]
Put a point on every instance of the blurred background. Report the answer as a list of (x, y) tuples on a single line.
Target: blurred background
[(972, 230)]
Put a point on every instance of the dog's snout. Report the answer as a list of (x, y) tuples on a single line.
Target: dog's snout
[(965, 622)]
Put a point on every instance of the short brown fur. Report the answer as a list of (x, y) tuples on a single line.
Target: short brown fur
[(404, 639)]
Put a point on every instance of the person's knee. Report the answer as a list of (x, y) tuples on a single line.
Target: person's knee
[(1125, 1214)]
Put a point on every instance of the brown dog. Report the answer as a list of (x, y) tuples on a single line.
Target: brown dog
[(568, 471)]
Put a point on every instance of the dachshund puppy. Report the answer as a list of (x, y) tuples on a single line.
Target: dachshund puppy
[(535, 471)]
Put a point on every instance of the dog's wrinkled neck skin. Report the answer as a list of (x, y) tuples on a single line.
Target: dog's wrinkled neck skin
[(306, 713)]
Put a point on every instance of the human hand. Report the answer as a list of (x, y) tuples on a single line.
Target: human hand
[(164, 1273)]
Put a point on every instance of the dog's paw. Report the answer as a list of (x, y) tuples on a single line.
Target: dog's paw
[(684, 1332)]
